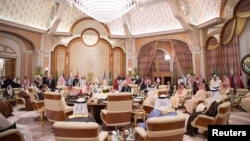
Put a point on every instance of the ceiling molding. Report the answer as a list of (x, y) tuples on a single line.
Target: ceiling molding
[(159, 33), (211, 22), (20, 26), (62, 33)]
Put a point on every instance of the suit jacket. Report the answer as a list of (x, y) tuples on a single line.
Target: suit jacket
[(51, 83), (126, 89)]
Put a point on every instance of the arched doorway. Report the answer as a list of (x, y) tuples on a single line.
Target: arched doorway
[(17, 55)]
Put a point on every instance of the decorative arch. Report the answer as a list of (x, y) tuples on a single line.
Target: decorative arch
[(82, 59), (118, 56), (59, 60), (86, 19), (18, 51), (20, 36), (13, 38)]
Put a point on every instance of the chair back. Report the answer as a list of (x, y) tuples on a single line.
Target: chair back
[(54, 106), (75, 131), (32, 93), (163, 91), (118, 112), (119, 102), (1, 93), (11, 135), (223, 113), (166, 128)]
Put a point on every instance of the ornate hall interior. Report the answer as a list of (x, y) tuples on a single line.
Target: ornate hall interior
[(160, 39)]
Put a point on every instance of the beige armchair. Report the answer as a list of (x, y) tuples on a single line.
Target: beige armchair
[(245, 102), (186, 97), (147, 108), (11, 135), (55, 106), (39, 107), (202, 121), (76, 131), (118, 111), (134, 88), (165, 128)]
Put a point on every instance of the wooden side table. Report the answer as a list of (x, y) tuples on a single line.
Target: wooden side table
[(138, 113)]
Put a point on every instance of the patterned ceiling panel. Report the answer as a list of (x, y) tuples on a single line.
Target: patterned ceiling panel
[(116, 27), (90, 24), (156, 17), (34, 13), (70, 15), (203, 10), (152, 17), (229, 8)]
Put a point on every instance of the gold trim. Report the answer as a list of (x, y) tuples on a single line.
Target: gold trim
[(85, 36)]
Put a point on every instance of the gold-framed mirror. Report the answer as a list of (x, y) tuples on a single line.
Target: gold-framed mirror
[(90, 37), (245, 64)]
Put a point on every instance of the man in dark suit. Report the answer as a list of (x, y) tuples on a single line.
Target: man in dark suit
[(126, 87), (51, 83)]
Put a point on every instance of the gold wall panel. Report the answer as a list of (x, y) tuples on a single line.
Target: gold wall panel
[(197, 64), (60, 61), (86, 59)]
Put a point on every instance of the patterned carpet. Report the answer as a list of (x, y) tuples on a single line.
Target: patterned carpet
[(45, 133)]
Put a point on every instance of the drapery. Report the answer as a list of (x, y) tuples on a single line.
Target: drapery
[(183, 56), (160, 64), (146, 59), (227, 53)]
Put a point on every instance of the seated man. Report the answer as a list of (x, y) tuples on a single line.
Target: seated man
[(180, 93), (211, 111), (80, 112), (25, 95), (126, 87), (6, 108), (42, 89), (6, 125), (9, 94), (162, 107), (200, 95)]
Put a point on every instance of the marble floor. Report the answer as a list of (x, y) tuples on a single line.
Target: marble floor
[(45, 133)]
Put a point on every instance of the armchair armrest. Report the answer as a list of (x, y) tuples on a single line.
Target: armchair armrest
[(40, 104), (12, 134), (139, 131), (103, 136), (202, 121), (148, 108)]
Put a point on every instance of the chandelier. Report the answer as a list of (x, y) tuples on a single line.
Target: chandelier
[(104, 11)]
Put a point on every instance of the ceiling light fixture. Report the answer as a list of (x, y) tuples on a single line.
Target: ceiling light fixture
[(104, 11)]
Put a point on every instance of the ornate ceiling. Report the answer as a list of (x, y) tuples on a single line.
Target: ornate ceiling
[(149, 17)]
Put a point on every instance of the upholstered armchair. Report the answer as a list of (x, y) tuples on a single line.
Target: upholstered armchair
[(245, 102), (134, 88), (39, 107), (202, 121), (55, 106), (186, 97), (163, 91), (164, 128), (118, 110), (11, 135), (147, 108), (76, 131)]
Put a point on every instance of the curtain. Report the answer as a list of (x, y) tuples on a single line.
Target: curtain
[(183, 56), (160, 64), (146, 59), (230, 56)]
